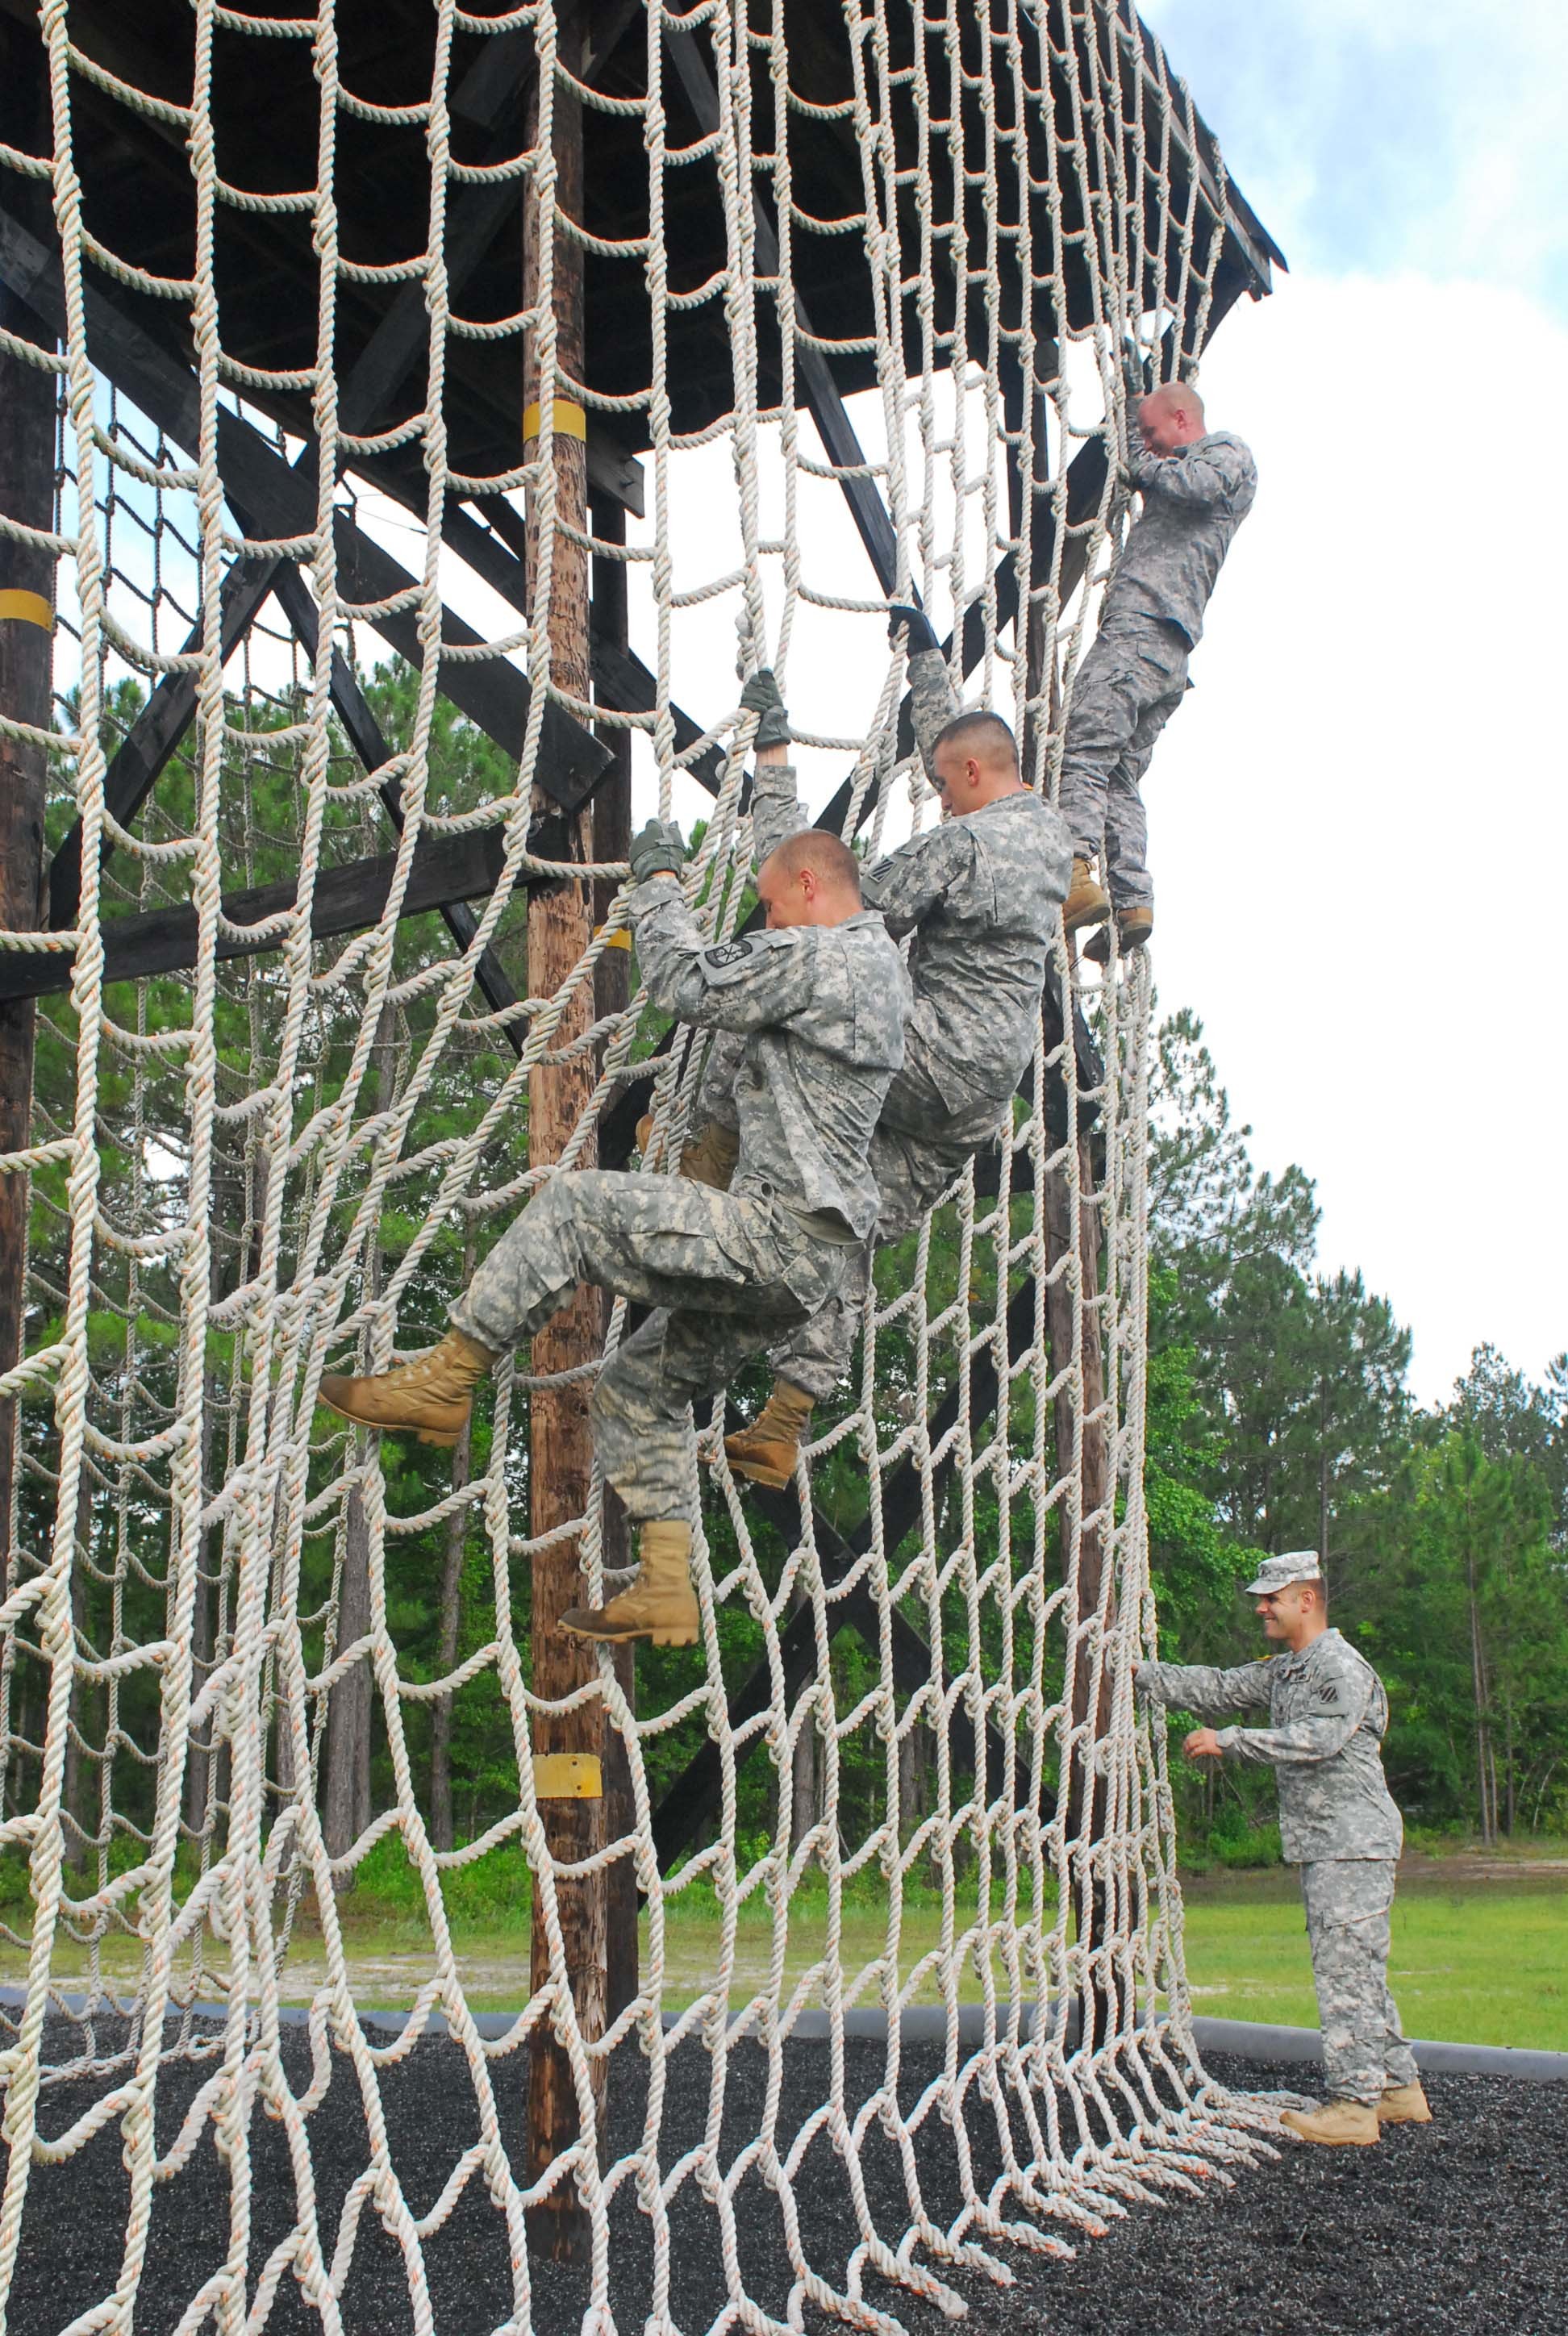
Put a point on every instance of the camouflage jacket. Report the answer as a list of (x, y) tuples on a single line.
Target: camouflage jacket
[(1328, 1715), (981, 895), (822, 1007), (1194, 502)]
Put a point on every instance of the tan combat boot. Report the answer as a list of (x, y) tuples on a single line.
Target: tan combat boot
[(1134, 927), (1088, 903), (1337, 2124), (660, 1605), (708, 1159), (432, 1397), (1404, 2105), (767, 1450)]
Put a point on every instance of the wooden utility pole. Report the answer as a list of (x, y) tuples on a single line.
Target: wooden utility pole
[(26, 622), (560, 927), (612, 993)]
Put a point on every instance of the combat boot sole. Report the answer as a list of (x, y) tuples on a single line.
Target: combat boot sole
[(761, 1467), (1404, 2105), (584, 1623), (441, 1424)]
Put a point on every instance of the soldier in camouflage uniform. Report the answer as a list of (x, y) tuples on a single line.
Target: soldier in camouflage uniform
[(1328, 1713), (1198, 487), (818, 1002), (980, 894)]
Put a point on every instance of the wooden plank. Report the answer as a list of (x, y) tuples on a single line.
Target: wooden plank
[(345, 900)]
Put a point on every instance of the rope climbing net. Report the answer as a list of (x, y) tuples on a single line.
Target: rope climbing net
[(259, 1673)]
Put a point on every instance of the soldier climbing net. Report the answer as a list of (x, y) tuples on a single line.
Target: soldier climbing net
[(283, 1085)]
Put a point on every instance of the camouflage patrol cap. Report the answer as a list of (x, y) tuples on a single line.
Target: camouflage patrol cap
[(1279, 1572)]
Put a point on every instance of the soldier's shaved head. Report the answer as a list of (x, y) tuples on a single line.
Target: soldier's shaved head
[(983, 735), (1174, 397), (813, 878), (973, 760)]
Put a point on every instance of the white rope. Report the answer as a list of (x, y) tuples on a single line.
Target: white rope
[(217, 1186)]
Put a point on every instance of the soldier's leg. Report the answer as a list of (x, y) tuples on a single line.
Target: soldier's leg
[(1126, 823), (1101, 721), (1347, 1904), (657, 1239), (912, 1171), (642, 1403)]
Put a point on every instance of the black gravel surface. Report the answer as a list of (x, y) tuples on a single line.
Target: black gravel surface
[(1459, 2227)]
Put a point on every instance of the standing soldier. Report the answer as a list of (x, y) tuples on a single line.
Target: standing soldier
[(980, 892), (819, 1000), (1328, 1713), (1198, 486)]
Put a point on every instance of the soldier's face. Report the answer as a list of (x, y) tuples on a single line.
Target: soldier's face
[(949, 770), (1282, 1611), (1161, 425)]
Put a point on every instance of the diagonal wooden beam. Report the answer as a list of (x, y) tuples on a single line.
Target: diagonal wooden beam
[(364, 734), (280, 502), (345, 900)]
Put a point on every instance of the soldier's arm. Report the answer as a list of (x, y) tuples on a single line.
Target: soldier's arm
[(776, 810), (1340, 1705), (932, 703), (1199, 476), (1205, 1687), (910, 883), (749, 983)]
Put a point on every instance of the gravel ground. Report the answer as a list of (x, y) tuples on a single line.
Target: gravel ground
[(1459, 2227)]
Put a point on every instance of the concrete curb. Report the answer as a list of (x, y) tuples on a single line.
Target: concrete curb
[(1244, 2040)]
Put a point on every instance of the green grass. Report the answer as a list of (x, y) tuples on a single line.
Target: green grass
[(1478, 1963), (1479, 1956)]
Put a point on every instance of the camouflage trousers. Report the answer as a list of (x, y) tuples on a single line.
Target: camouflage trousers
[(726, 1271), (1126, 690), (1348, 1901), (918, 1149)]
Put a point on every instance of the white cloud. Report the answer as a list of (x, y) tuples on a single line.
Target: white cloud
[(1360, 820), (1418, 133)]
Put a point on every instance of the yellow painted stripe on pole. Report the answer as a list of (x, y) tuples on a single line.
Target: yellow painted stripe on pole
[(621, 940), (26, 609), (571, 421), (567, 1777)]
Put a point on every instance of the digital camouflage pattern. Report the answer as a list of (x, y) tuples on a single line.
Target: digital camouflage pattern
[(821, 1011), (1327, 1715), (1136, 675), (1348, 1902), (1193, 502), (918, 1149), (726, 1271), (981, 894), (1126, 690)]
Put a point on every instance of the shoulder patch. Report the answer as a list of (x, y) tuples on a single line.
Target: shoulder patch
[(728, 953)]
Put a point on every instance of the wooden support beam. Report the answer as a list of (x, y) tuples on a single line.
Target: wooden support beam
[(26, 646), (561, 1444)]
